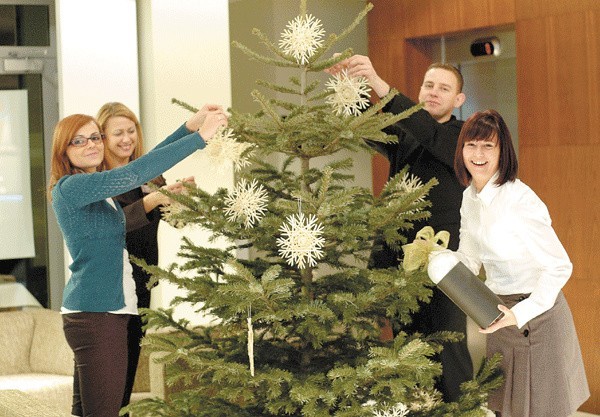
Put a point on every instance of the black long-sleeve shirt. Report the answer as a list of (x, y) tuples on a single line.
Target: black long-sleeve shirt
[(428, 147)]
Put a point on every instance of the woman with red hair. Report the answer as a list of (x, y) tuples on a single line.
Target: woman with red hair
[(99, 297)]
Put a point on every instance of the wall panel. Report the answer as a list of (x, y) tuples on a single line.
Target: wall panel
[(418, 16), (567, 177), (385, 21), (562, 79), (531, 9), (561, 175), (427, 17), (557, 74), (587, 294), (387, 57), (558, 92)]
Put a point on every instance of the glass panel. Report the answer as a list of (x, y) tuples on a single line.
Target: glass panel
[(16, 219), (8, 25), (24, 25), (32, 271)]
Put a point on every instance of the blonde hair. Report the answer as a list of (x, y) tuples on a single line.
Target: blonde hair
[(116, 109), (64, 131)]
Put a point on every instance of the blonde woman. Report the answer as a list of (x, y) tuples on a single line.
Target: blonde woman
[(123, 143)]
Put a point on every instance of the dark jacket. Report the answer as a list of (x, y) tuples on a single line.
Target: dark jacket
[(428, 147), (141, 238)]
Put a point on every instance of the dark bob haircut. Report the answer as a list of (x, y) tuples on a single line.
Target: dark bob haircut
[(485, 125)]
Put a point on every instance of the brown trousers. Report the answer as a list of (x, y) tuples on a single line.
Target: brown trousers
[(99, 344)]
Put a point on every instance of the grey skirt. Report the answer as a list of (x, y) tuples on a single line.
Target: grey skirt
[(542, 365)]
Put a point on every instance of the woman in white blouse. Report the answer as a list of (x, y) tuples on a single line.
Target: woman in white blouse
[(506, 228)]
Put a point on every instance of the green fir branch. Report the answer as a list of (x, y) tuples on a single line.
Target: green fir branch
[(263, 59), (184, 105), (267, 108), (277, 87)]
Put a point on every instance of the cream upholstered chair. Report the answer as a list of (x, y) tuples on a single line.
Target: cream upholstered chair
[(36, 358), (36, 361)]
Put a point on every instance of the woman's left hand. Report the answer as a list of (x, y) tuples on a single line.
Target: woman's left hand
[(178, 187), (509, 319), (197, 120)]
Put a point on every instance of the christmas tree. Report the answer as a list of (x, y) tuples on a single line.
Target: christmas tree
[(298, 322)]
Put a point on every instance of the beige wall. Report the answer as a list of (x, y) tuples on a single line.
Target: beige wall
[(271, 17)]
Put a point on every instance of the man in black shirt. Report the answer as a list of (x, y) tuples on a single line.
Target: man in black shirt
[(427, 143)]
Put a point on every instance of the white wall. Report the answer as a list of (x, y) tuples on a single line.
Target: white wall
[(184, 54), (97, 54), (97, 61)]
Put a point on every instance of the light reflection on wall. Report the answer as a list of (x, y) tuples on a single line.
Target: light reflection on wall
[(16, 222)]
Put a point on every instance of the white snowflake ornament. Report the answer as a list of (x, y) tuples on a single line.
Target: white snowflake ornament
[(301, 240), (398, 410), (247, 202), (170, 210), (223, 147), (410, 183), (426, 401), (350, 95), (302, 37)]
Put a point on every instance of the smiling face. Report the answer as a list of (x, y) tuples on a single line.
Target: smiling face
[(481, 158), (440, 93), (90, 156), (121, 139)]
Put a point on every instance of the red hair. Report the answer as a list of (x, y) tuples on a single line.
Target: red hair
[(64, 131)]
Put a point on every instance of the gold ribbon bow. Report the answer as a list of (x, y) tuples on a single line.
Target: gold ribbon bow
[(416, 254)]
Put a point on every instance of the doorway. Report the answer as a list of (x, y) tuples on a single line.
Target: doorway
[(490, 80)]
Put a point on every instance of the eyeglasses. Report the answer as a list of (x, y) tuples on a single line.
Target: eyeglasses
[(80, 141)]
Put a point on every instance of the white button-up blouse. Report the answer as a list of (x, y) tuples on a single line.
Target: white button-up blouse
[(507, 229)]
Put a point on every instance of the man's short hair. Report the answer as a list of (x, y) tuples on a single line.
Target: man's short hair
[(453, 70)]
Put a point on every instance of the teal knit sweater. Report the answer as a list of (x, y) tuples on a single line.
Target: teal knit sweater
[(95, 232)]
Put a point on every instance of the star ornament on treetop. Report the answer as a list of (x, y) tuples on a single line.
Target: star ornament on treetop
[(350, 95), (301, 242), (302, 37)]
